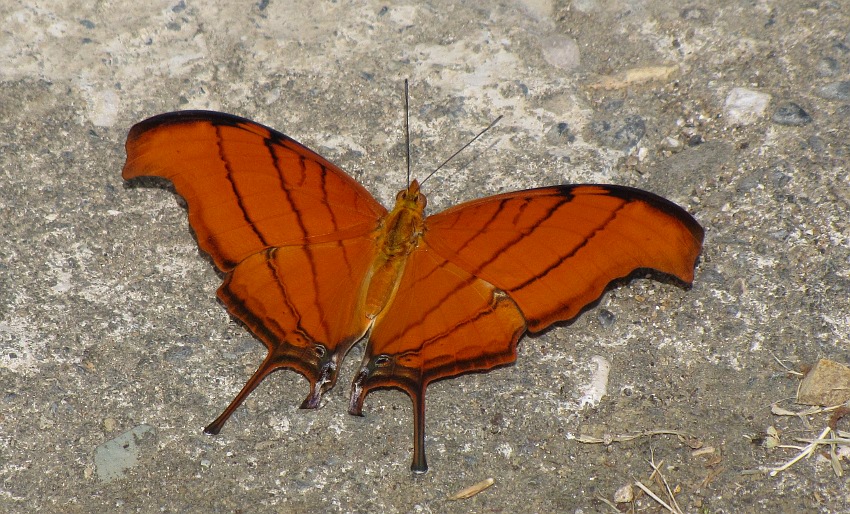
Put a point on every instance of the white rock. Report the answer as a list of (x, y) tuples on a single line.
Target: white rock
[(561, 52), (624, 494), (744, 106)]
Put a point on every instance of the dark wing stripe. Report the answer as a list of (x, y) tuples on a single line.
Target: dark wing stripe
[(302, 166), (287, 193), (237, 307), (450, 330), (425, 314), (521, 210), (279, 281), (331, 213), (567, 256), (269, 142), (314, 275), (483, 230), (521, 234), (302, 227), (349, 270), (236, 193), (421, 282)]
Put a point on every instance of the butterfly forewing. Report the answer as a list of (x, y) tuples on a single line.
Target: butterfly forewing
[(248, 187), (554, 250)]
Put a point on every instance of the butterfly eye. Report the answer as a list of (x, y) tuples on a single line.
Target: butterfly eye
[(382, 360), (319, 350)]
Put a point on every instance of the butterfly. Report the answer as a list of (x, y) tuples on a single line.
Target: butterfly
[(313, 264)]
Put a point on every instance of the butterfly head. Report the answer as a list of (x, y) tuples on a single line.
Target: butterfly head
[(411, 198)]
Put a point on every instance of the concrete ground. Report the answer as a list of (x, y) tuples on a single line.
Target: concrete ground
[(114, 352)]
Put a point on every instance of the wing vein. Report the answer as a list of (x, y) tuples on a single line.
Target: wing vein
[(279, 281)]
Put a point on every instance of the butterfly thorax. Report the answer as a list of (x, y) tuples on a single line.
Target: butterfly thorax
[(397, 236), (401, 229)]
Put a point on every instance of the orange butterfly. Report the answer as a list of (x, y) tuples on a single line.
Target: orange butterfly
[(313, 263)]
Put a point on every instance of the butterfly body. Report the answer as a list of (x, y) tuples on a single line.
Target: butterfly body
[(397, 236), (313, 264)]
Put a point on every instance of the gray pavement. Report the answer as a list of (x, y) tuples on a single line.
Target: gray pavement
[(114, 352)]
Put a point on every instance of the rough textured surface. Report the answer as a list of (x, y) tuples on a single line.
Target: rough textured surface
[(826, 384), (108, 321)]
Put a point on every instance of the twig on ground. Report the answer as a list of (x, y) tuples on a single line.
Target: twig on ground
[(621, 438), (469, 492)]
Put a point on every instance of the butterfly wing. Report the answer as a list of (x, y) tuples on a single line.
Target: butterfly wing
[(441, 322), (555, 249), (305, 303), (248, 187), (487, 269), (293, 232), (296, 238)]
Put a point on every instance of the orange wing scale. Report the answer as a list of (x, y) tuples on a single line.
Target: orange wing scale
[(300, 302), (314, 264)]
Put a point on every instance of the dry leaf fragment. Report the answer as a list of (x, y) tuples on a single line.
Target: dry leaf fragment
[(780, 411), (772, 439), (703, 451), (837, 414), (634, 76)]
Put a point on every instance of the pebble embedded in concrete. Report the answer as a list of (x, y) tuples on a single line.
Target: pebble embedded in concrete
[(114, 457)]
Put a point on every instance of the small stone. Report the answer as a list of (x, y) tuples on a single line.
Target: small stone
[(694, 14), (44, 422), (827, 384), (177, 353), (114, 457), (632, 131), (791, 114), (560, 134), (624, 494), (561, 52), (671, 144), (606, 318), (622, 134), (750, 181), (744, 106), (836, 91), (827, 67)]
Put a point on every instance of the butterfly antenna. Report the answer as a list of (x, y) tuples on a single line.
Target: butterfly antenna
[(462, 148), (407, 128)]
